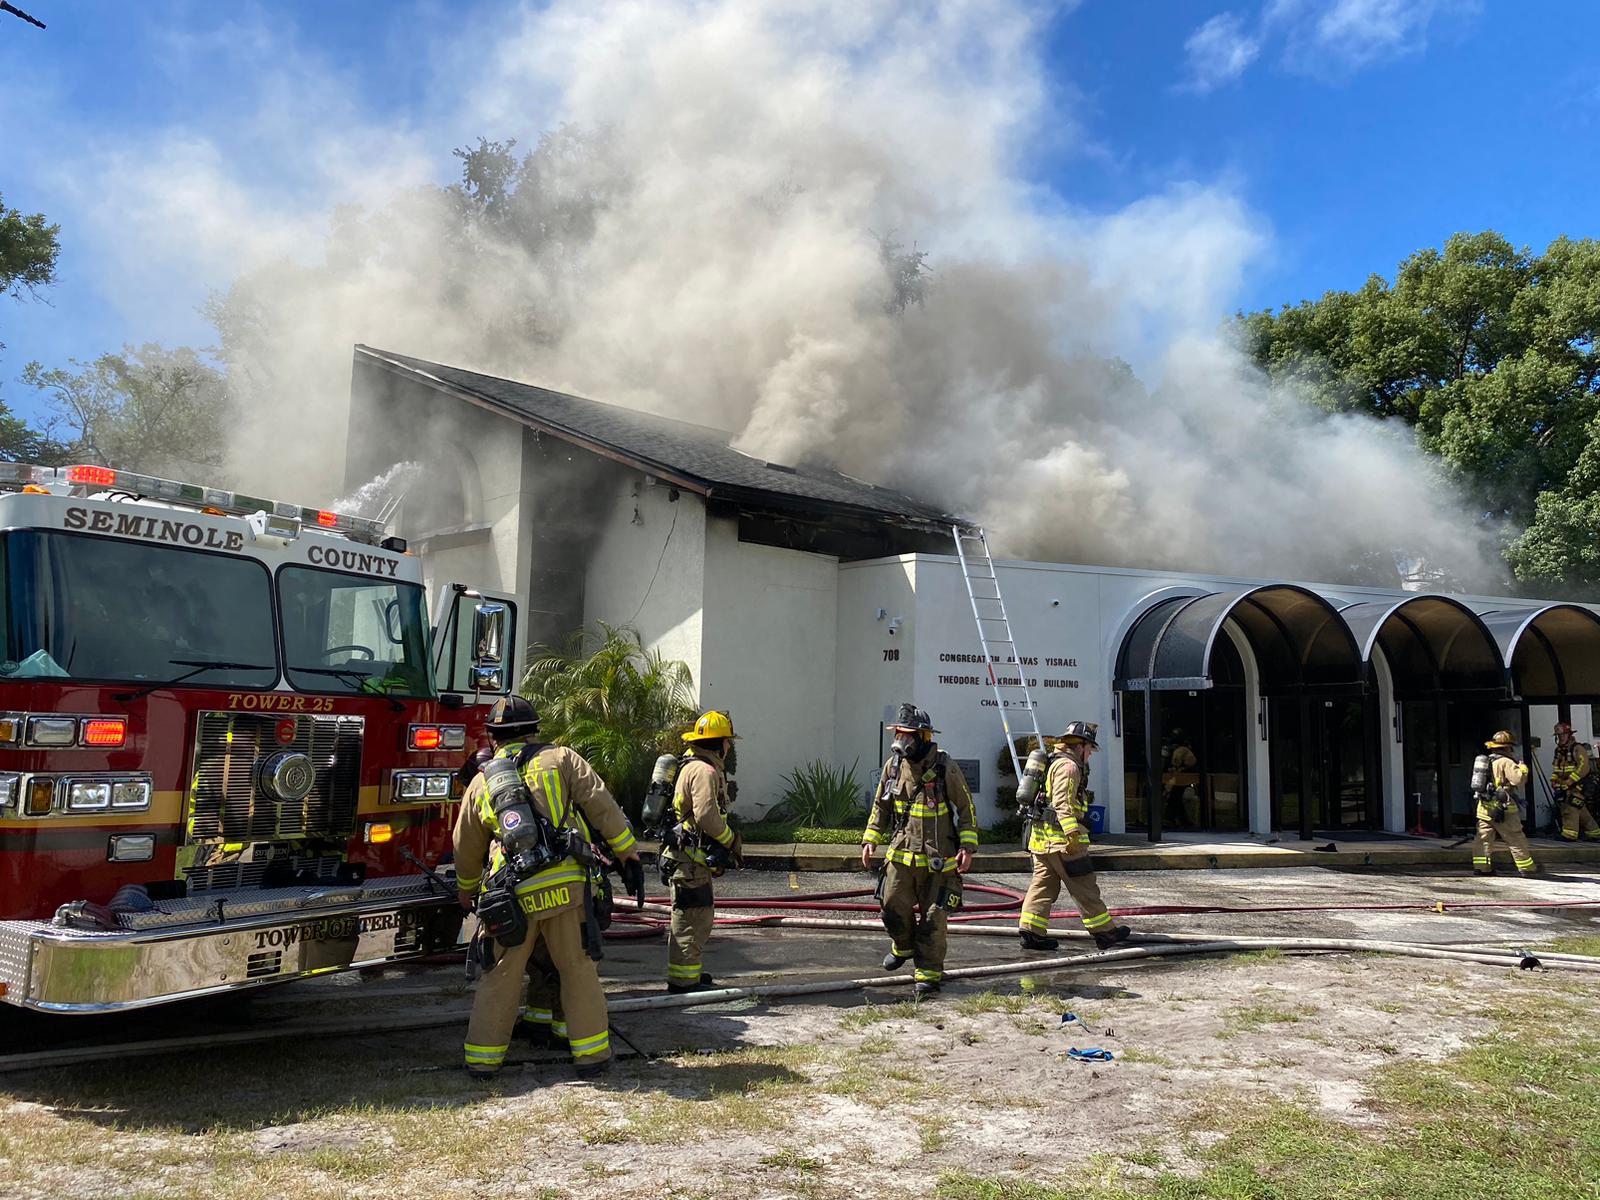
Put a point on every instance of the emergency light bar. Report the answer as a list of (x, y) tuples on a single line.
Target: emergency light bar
[(192, 495)]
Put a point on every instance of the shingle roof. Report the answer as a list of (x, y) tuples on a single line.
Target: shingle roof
[(693, 456)]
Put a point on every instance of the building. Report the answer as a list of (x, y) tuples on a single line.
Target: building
[(808, 603)]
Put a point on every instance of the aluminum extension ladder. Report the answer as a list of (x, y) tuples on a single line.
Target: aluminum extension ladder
[(994, 632)]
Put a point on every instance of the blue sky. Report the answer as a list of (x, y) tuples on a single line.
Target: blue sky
[(1353, 131)]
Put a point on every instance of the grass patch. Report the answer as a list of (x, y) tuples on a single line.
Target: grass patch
[(792, 1160), (1258, 1016), (873, 1014), (1133, 1054), (991, 1001), (1586, 945), (772, 832), (933, 1138)]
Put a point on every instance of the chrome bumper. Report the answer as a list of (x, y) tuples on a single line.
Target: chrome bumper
[(262, 937)]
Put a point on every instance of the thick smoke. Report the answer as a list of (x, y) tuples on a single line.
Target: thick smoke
[(713, 250)]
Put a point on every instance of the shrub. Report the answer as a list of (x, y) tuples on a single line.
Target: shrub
[(819, 794), (614, 702)]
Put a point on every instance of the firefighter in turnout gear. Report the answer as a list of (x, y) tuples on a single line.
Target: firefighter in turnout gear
[(922, 812), (1059, 842), (1569, 776), (567, 806), (698, 847), (1499, 814)]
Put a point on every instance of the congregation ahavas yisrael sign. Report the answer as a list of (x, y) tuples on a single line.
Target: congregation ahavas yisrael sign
[(963, 668)]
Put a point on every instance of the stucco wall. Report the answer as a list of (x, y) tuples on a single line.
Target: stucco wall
[(768, 656)]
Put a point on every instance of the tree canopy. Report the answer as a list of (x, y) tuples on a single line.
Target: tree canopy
[(28, 251), (1492, 353)]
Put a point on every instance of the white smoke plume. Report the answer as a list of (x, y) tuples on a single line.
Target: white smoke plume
[(742, 159)]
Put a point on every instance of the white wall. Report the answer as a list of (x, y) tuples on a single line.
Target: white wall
[(624, 585), (768, 656), (875, 659)]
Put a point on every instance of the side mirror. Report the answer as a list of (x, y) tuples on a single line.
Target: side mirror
[(488, 679), (488, 635)]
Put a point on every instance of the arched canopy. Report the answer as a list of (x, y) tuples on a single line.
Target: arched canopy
[(1431, 643), (1296, 636), (1553, 652)]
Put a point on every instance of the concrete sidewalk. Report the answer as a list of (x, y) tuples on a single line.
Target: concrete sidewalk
[(1197, 852)]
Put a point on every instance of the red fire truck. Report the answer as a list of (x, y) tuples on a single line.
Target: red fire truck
[(229, 739)]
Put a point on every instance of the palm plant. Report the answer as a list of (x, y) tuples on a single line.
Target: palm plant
[(614, 702)]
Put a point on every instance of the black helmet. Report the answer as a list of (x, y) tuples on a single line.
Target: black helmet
[(1081, 731), (912, 718), (512, 714)]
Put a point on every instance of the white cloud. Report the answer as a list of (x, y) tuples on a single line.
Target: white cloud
[(1323, 38), (1219, 52)]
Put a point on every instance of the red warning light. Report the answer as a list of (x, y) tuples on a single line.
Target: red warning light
[(426, 737), (286, 730), (105, 731), (100, 475), (327, 519)]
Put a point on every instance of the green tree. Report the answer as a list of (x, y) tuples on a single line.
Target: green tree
[(1492, 354), (149, 409), (28, 251), (614, 702)]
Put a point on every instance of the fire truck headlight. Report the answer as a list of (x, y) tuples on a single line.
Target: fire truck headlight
[(438, 787), (408, 787), (131, 793), (452, 737), (9, 786), (131, 847), (52, 731), (88, 794)]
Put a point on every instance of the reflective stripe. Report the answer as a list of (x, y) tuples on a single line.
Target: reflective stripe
[(1095, 922), (912, 858), (969, 837), (924, 811), (485, 1056), (690, 971), (1034, 922), (898, 952), (600, 1043), (873, 838), (566, 872), (538, 1016), (559, 1028), (922, 975), (726, 836), (623, 842), (466, 883)]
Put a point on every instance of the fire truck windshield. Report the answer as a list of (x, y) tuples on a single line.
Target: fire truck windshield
[(353, 633), (92, 608)]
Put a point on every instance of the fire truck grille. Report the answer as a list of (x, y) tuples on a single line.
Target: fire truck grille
[(226, 802), (225, 877)]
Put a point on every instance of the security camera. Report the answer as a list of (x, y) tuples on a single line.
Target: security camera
[(1055, 604)]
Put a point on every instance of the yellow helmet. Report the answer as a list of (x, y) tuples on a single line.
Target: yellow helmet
[(1501, 741), (710, 727)]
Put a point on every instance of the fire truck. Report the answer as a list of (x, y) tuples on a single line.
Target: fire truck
[(230, 740)]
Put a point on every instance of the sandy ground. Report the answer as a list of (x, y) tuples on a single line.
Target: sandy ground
[(850, 1093)]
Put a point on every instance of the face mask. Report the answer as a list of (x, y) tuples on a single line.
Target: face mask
[(906, 743)]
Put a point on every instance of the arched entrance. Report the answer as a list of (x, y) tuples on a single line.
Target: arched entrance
[(1442, 688), (1178, 663)]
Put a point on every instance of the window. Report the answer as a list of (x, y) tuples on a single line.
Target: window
[(353, 633), (93, 608)]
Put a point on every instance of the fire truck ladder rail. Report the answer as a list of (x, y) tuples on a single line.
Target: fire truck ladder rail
[(994, 630)]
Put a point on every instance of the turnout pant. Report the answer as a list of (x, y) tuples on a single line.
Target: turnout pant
[(500, 993), (1072, 868), (1577, 821), (544, 994), (914, 915), (692, 914), (1508, 829)]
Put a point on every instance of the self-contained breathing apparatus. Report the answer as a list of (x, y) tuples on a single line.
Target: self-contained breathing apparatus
[(1496, 800), (531, 843), (660, 815), (930, 784)]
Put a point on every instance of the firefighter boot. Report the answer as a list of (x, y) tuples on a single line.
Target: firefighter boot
[(893, 961), (1034, 941), (704, 984), (926, 987), (1104, 939), (592, 1070)]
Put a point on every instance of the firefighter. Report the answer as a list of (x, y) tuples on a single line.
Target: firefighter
[(566, 793), (1059, 843), (922, 811), (1569, 775), (1180, 764), (1499, 814), (699, 847)]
